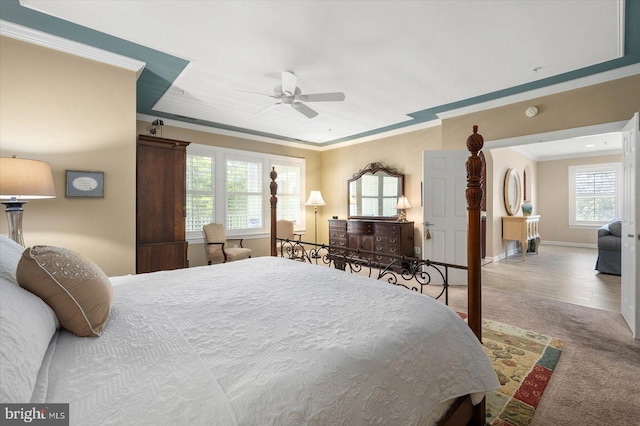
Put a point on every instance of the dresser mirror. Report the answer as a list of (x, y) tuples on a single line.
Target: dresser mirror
[(512, 192), (373, 192)]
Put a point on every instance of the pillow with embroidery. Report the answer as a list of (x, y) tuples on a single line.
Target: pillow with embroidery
[(77, 290)]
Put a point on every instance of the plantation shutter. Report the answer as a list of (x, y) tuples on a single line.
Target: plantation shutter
[(595, 194), (244, 193)]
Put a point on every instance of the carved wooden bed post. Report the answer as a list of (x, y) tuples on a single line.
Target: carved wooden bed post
[(273, 186), (474, 198), (474, 278)]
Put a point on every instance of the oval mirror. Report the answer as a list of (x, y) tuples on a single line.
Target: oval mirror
[(512, 194)]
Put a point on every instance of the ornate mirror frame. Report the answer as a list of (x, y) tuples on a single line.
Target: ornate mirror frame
[(512, 192), (379, 170)]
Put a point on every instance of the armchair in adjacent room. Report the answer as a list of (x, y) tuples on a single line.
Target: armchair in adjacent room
[(216, 247), (610, 248)]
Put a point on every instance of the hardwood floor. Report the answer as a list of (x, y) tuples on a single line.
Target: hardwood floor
[(557, 272)]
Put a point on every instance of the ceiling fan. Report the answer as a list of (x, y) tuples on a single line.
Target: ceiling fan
[(288, 93)]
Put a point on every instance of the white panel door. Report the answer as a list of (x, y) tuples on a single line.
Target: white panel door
[(445, 210), (630, 297)]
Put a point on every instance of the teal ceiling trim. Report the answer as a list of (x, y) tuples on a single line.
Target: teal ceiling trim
[(632, 27), (162, 69), (631, 56)]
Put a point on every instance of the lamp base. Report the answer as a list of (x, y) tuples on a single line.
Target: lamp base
[(402, 217), (14, 220)]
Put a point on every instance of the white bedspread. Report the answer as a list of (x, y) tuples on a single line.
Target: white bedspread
[(265, 341)]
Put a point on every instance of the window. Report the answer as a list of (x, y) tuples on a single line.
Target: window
[(231, 187), (290, 192), (200, 191), (594, 192), (244, 194), (370, 186)]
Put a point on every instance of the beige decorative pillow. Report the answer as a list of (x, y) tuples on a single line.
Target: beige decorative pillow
[(78, 291)]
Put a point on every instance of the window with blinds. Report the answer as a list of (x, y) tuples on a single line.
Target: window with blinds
[(594, 193), (200, 191), (244, 194), (231, 187), (370, 186), (290, 192)]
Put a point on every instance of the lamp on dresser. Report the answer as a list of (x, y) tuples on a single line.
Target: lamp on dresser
[(315, 200), (403, 204), (22, 180)]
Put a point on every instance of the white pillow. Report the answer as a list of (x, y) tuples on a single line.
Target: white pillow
[(10, 253), (26, 327)]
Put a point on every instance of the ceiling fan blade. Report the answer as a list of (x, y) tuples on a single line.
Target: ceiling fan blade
[(254, 93), (268, 108), (289, 81), (322, 97), (300, 107)]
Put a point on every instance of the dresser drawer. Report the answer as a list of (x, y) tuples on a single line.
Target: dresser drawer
[(337, 234), (387, 249), (338, 225), (386, 239), (385, 261), (338, 242), (362, 228), (387, 229)]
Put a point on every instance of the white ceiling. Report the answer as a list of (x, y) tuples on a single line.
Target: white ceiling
[(585, 146), (390, 58)]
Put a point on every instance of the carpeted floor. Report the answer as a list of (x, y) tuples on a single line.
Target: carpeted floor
[(597, 379)]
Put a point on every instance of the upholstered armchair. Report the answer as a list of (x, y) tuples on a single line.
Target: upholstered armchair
[(610, 248), (284, 230), (216, 247)]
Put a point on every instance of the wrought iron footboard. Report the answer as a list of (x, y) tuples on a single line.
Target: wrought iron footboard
[(409, 272)]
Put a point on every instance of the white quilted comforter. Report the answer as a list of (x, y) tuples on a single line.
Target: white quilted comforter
[(265, 341)]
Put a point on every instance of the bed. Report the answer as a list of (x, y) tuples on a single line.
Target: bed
[(259, 341)]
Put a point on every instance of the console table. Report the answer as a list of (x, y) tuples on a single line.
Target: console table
[(381, 237), (522, 229)]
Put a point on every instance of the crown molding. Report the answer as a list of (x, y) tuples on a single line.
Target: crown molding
[(60, 44)]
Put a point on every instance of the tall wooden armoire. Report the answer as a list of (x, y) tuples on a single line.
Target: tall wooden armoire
[(160, 204)]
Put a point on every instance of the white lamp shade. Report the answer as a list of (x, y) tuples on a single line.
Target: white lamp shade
[(315, 199), (403, 203), (25, 179)]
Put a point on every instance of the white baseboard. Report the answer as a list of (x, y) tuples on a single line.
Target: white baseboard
[(567, 244), (543, 242)]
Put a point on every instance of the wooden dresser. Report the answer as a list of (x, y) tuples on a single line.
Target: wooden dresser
[(523, 229), (378, 236)]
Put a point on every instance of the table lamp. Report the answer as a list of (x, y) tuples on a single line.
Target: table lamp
[(22, 180), (403, 204)]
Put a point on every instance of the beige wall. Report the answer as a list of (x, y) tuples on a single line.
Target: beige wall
[(80, 115), (602, 103), (260, 246), (75, 114), (403, 152), (553, 181), (500, 160)]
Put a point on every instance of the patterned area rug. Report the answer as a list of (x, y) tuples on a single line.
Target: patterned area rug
[(524, 361)]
